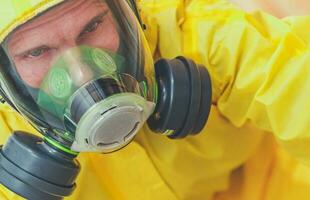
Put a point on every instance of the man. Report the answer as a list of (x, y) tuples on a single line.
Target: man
[(258, 66)]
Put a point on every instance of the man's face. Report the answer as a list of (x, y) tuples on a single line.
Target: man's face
[(35, 46)]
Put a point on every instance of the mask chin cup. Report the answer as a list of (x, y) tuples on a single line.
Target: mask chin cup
[(184, 98), (33, 169)]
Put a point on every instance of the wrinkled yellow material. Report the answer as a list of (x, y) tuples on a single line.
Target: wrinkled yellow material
[(260, 71), (279, 8)]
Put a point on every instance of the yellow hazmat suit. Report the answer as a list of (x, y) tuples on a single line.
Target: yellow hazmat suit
[(256, 144), (280, 8)]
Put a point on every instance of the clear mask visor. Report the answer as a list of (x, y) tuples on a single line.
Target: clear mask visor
[(72, 60)]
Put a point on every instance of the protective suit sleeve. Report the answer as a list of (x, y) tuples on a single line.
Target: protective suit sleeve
[(259, 64), (260, 69)]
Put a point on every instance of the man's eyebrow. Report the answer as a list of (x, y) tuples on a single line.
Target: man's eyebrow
[(93, 20)]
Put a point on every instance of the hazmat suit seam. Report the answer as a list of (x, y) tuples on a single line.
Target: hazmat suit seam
[(149, 154)]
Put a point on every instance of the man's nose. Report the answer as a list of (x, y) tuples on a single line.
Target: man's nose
[(80, 72)]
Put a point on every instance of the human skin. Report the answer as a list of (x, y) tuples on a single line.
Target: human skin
[(36, 45), (278, 8)]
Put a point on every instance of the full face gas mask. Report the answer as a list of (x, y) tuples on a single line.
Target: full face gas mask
[(82, 74)]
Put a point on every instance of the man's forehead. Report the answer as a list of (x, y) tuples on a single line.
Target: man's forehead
[(58, 12), (65, 13)]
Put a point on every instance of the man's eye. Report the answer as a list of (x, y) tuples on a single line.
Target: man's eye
[(92, 27), (36, 52)]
